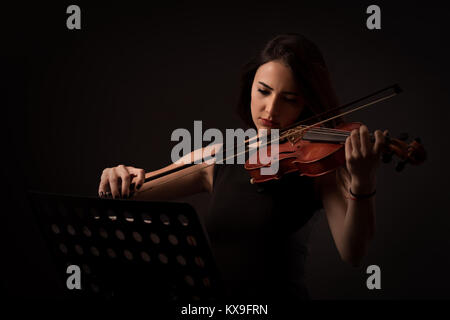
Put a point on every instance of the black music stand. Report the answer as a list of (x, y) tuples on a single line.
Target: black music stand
[(127, 248)]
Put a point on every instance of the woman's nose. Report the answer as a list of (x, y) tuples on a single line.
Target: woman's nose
[(272, 106)]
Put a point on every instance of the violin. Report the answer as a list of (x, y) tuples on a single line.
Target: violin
[(316, 150), (319, 151)]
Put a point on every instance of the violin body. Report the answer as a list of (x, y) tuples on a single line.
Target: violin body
[(320, 151)]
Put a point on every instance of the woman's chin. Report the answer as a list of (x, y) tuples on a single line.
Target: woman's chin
[(267, 129)]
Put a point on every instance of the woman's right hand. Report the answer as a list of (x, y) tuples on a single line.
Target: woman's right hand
[(118, 181)]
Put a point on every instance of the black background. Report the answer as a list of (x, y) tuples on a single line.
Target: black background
[(77, 101)]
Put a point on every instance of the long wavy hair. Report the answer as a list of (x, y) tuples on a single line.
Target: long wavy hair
[(308, 66)]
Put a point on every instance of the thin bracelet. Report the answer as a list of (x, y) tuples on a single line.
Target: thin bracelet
[(361, 195)]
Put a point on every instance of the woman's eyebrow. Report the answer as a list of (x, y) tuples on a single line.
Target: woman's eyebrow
[(286, 92)]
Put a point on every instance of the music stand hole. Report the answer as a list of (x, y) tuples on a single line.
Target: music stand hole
[(206, 282), (111, 215), (94, 214), (146, 218), (137, 236), (173, 239), (111, 253), (154, 238), (79, 249), (145, 256), (86, 231), (183, 220), (55, 229), (181, 260), (163, 258), (189, 280), (128, 216), (63, 248), (191, 241), (128, 255), (120, 235), (103, 233), (199, 261), (95, 251), (165, 219), (71, 230)]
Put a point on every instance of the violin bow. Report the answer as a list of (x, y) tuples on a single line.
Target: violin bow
[(286, 132)]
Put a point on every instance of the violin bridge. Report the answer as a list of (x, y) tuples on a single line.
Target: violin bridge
[(294, 135), (297, 139)]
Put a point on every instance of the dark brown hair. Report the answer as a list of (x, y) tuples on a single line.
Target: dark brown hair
[(305, 60)]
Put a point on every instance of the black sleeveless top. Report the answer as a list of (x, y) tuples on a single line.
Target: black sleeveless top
[(253, 230)]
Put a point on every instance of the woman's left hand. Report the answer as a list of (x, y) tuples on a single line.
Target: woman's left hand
[(363, 158)]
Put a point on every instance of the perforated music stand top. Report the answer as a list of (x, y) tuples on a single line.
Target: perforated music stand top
[(127, 248)]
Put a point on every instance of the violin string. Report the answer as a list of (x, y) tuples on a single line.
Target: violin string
[(324, 132), (336, 133)]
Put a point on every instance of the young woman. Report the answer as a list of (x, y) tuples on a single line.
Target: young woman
[(253, 228)]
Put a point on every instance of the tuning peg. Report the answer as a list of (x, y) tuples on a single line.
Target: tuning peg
[(403, 136), (400, 166)]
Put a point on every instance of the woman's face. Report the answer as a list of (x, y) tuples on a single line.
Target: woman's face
[(275, 99)]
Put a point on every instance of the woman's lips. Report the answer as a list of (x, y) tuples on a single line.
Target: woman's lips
[(268, 123)]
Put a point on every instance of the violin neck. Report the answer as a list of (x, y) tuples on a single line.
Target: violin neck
[(329, 137)]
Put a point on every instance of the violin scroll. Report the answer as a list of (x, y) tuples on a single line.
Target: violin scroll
[(413, 152)]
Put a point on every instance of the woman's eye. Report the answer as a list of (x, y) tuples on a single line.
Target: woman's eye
[(264, 92)]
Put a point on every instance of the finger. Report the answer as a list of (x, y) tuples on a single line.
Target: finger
[(356, 145), (126, 180), (114, 182), (133, 176), (348, 148), (379, 142), (364, 140), (132, 182), (103, 187), (140, 177)]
